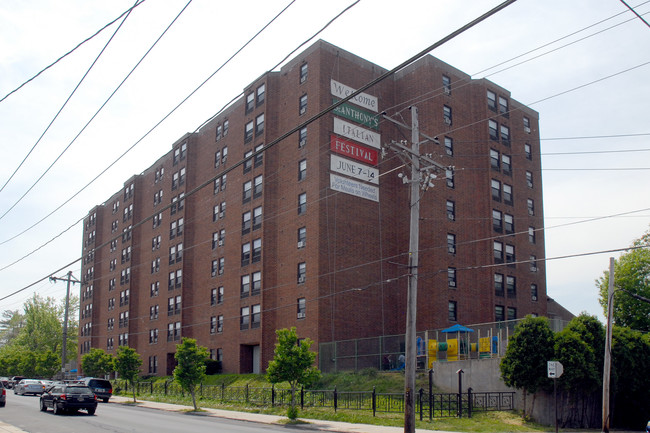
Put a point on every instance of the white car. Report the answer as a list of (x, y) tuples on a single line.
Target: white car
[(29, 386)]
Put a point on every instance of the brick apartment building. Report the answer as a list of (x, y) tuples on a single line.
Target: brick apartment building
[(219, 242)]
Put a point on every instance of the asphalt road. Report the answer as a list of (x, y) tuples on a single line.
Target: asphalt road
[(23, 412)]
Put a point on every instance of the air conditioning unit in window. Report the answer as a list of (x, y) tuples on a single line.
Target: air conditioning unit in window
[(220, 243), (451, 250), (534, 298), (447, 121), (452, 284), (301, 244), (446, 90), (220, 271), (527, 129), (302, 143), (533, 269), (301, 280), (301, 315)]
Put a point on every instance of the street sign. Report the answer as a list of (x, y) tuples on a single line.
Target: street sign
[(555, 369)]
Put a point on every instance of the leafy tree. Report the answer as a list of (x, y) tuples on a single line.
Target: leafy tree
[(97, 363), (190, 370), (631, 273), (529, 349), (292, 363), (127, 365), (630, 381), (579, 347), (10, 325)]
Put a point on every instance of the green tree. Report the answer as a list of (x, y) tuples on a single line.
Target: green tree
[(530, 347), (10, 325), (631, 273), (97, 363), (190, 370), (127, 365), (293, 363)]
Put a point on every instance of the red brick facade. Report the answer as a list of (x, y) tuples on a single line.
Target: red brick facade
[(354, 250)]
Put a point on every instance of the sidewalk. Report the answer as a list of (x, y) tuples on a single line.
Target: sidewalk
[(312, 424)]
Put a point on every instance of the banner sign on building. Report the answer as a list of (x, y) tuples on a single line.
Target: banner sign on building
[(356, 114), (354, 150), (354, 169), (362, 99), (355, 132), (352, 187)]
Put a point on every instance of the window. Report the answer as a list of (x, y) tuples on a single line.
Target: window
[(155, 243), (257, 250), (503, 106), (220, 323), (157, 220), (247, 192), (256, 316), (451, 210), (259, 155), (303, 72), (509, 223), (505, 135), (153, 312), (510, 253), (302, 308), (498, 252), (497, 220), (213, 325), (302, 105), (533, 292), (248, 162), (302, 203), (446, 85), (529, 179), (246, 254), (449, 175), (498, 285), (261, 94), (302, 169), (250, 102), (446, 114), (531, 235), (302, 137), (155, 265), (512, 313), (245, 287), (256, 288), (226, 123), (507, 193), (511, 286), (155, 289), (248, 132), (302, 272), (217, 158), (526, 125), (302, 237), (449, 146), (528, 151), (495, 162), (506, 164), (259, 124), (451, 278), (219, 132), (245, 223), (533, 263), (496, 190), (244, 319), (258, 185), (453, 312), (492, 129), (492, 100), (499, 314), (257, 218), (451, 243)]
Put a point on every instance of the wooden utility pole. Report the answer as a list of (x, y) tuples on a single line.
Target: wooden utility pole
[(608, 347), (421, 178)]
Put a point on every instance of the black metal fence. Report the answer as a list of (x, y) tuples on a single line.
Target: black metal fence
[(430, 405)]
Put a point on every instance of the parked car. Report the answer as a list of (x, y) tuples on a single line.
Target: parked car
[(29, 386), (5, 381), (14, 380), (69, 398), (3, 395), (101, 387)]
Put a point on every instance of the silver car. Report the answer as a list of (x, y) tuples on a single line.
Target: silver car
[(29, 386)]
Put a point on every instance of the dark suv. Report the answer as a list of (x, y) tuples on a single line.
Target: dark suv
[(101, 387), (69, 398)]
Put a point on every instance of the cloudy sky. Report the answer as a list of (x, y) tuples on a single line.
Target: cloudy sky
[(582, 64)]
